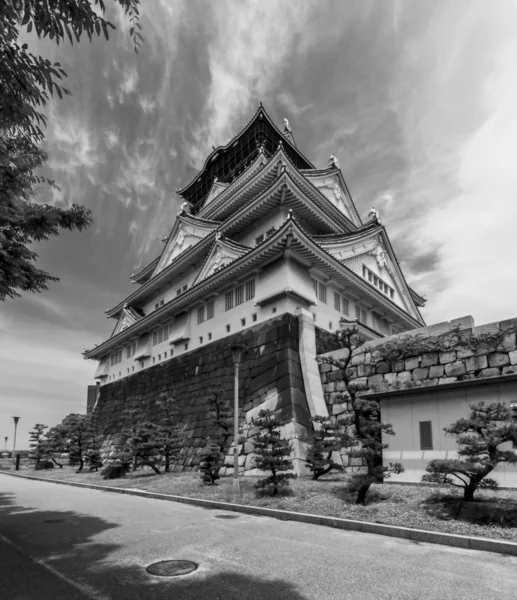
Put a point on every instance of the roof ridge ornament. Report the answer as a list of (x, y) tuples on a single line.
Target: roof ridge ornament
[(287, 127), (374, 215), (333, 162)]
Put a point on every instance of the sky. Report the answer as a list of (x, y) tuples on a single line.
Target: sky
[(416, 99)]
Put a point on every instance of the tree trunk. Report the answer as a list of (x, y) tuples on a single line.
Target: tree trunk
[(81, 464), (154, 468), (55, 462), (361, 493)]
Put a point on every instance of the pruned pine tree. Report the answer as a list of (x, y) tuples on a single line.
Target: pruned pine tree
[(56, 443), (211, 462), (480, 438), (80, 435), (171, 431), (37, 442), (144, 441), (326, 440), (212, 459), (363, 429), (272, 453)]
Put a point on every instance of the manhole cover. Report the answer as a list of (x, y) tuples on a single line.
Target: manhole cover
[(53, 521), (226, 516), (172, 568)]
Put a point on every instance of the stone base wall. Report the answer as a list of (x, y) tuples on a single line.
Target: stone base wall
[(269, 377)]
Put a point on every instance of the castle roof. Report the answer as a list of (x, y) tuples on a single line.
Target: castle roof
[(226, 162)]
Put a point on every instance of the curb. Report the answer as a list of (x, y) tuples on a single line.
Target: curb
[(416, 535)]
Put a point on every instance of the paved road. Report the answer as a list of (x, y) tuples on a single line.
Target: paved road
[(66, 543)]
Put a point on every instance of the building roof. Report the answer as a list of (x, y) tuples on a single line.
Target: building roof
[(226, 162), (289, 238)]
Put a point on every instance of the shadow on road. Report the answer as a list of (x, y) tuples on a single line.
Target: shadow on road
[(64, 540)]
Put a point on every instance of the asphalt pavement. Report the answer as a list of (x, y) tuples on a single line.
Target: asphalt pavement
[(65, 543)]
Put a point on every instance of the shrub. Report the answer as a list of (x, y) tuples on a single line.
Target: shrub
[(211, 462), (272, 453)]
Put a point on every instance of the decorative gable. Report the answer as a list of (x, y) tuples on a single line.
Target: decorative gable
[(329, 186), (221, 255), (127, 318), (185, 233)]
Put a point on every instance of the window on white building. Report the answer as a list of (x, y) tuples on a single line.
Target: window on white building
[(200, 314), (337, 302), (210, 310), (361, 315), (228, 300), (209, 336), (239, 295), (250, 289), (426, 435), (378, 282), (254, 317)]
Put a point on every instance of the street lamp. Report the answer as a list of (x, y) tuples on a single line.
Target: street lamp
[(237, 350), (6, 438), (16, 419)]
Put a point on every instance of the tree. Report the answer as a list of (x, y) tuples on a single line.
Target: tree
[(170, 431), (211, 462), (272, 452), (363, 427), (479, 437), (56, 442), (37, 441), (80, 436), (27, 82), (143, 441), (326, 440)]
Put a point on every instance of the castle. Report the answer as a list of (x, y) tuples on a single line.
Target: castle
[(267, 250)]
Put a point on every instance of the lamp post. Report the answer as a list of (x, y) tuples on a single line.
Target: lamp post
[(16, 419), (6, 438), (237, 350)]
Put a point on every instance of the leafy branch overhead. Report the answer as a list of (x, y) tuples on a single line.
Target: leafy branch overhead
[(27, 83)]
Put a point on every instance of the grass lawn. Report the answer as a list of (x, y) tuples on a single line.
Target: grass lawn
[(392, 504)]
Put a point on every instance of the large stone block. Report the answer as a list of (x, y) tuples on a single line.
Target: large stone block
[(475, 363), (455, 369), (491, 372), (412, 363), (421, 373), (429, 359), (375, 380), (404, 376), (383, 367), (513, 357), (508, 344), (509, 370), (447, 357), (498, 359)]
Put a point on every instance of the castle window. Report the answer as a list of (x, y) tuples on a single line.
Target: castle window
[(186, 346), (270, 232), (243, 322), (165, 354), (259, 240), (159, 357), (315, 285), (337, 302), (200, 314), (178, 292), (361, 315), (154, 360), (200, 339), (209, 336), (162, 302), (239, 295), (378, 282), (116, 358), (274, 310), (156, 305), (128, 369), (228, 300), (210, 310), (250, 289), (345, 306), (227, 329), (132, 369), (322, 293), (330, 325), (254, 317), (130, 350), (185, 288)]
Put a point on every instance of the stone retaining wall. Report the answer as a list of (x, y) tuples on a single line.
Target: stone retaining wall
[(269, 377), (372, 374)]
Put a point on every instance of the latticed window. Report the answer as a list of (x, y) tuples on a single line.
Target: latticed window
[(228, 300), (250, 289), (210, 310), (361, 314), (322, 293), (426, 435), (315, 285), (337, 301), (200, 314), (239, 295), (345, 308)]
